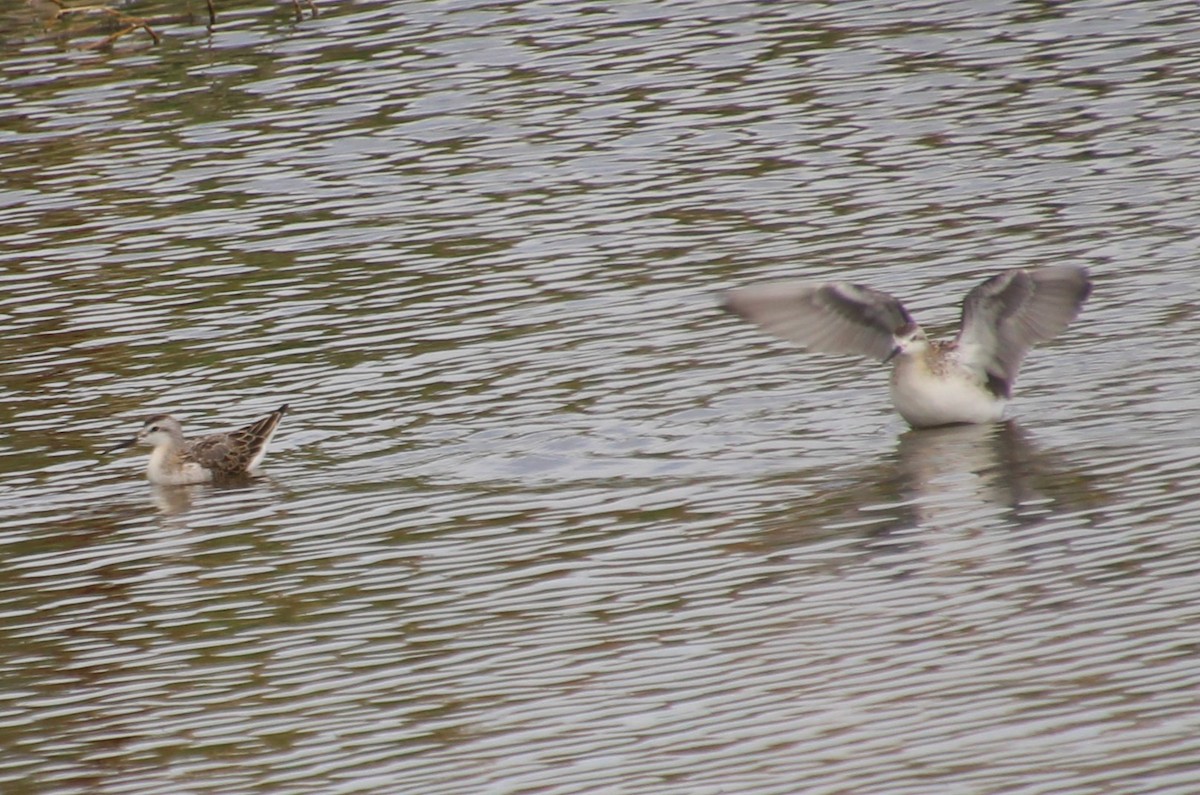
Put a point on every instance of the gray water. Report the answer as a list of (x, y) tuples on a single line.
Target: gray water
[(541, 518)]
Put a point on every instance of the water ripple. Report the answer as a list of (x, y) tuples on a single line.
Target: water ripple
[(542, 519)]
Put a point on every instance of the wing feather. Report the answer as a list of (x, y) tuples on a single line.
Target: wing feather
[(236, 451), (1008, 314), (831, 317)]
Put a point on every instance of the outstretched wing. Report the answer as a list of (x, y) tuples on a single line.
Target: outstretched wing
[(832, 317), (1008, 314), (237, 451)]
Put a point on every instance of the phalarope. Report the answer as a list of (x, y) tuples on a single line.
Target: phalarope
[(176, 461), (939, 382)]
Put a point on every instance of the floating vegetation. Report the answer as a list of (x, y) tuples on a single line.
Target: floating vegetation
[(112, 24)]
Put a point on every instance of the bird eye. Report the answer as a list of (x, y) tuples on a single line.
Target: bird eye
[(153, 429)]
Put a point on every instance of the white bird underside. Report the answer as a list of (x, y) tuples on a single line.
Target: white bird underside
[(927, 399), (967, 380)]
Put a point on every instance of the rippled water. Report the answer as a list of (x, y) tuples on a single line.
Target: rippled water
[(541, 518)]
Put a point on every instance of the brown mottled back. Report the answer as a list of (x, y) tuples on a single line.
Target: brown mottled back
[(231, 454)]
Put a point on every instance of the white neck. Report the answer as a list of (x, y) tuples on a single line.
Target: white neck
[(166, 467)]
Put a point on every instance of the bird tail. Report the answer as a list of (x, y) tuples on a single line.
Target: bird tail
[(260, 433)]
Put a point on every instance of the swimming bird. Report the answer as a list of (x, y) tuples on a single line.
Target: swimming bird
[(934, 382), (176, 461)]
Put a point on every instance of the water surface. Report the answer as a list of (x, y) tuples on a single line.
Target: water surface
[(541, 518)]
